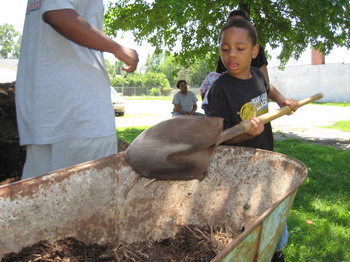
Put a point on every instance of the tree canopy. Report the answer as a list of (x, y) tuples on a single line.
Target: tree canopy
[(194, 25), (160, 71), (10, 41)]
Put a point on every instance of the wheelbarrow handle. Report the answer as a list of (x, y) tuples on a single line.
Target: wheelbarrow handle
[(245, 126)]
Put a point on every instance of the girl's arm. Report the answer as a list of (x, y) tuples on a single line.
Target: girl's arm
[(276, 96), (257, 126)]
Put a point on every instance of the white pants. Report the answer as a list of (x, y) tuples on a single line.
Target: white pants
[(42, 159)]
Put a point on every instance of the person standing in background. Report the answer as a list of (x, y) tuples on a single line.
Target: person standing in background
[(205, 88), (64, 110)]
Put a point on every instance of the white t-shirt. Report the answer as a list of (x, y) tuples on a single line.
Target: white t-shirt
[(62, 88)]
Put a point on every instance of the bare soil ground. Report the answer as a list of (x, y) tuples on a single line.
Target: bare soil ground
[(12, 156)]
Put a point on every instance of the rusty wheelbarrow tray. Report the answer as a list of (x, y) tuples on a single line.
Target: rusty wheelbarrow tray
[(101, 200)]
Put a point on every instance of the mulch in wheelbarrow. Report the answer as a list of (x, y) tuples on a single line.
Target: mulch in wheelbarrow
[(191, 243)]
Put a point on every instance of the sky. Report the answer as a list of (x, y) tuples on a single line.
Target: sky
[(13, 12)]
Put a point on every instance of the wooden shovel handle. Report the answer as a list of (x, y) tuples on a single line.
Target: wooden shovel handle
[(268, 117), (245, 126)]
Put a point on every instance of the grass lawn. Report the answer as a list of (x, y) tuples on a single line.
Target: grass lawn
[(128, 134), (340, 125), (319, 222)]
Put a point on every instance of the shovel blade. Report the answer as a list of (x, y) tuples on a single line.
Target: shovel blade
[(176, 149)]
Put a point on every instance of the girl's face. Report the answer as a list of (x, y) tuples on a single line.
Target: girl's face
[(237, 51)]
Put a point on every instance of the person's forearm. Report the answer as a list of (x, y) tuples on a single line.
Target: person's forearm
[(75, 28), (256, 127), (194, 109), (238, 139), (276, 96), (179, 110), (183, 112)]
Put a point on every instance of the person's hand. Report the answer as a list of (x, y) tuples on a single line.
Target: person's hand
[(128, 56), (292, 104), (257, 126)]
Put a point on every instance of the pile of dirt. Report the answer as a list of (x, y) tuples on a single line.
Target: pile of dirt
[(191, 243), (12, 155)]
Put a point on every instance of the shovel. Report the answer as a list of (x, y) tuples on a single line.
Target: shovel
[(181, 148)]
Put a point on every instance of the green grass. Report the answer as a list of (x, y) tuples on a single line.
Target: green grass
[(128, 134), (324, 199), (340, 125)]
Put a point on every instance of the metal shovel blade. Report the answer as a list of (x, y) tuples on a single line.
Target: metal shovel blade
[(179, 148)]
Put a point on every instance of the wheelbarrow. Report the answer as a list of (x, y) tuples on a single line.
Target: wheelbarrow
[(104, 199)]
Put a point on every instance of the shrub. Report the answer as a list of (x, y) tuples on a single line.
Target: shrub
[(154, 91), (166, 91)]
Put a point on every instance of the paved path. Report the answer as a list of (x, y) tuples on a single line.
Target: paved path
[(305, 124)]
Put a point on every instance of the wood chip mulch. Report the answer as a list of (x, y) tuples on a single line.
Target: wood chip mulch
[(191, 243)]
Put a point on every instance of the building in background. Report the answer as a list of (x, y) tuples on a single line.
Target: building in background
[(8, 70)]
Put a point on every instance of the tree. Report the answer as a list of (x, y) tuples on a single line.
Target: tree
[(199, 70), (114, 69), (153, 62), (153, 79), (170, 68), (290, 24), (166, 64), (10, 41), (118, 65), (110, 68)]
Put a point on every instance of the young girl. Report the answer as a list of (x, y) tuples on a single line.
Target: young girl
[(241, 93)]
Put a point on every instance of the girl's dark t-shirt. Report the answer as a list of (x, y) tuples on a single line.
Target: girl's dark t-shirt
[(237, 99)]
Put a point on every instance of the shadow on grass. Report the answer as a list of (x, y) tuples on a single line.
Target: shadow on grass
[(337, 143)]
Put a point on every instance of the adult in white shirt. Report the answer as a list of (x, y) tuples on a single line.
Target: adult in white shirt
[(64, 110)]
